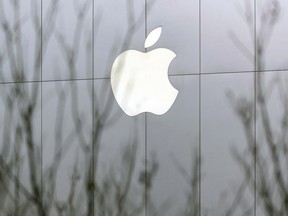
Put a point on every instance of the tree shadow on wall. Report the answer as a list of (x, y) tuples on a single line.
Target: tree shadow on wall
[(267, 157), (59, 167)]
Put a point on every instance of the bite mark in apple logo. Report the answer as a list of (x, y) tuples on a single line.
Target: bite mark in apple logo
[(140, 80)]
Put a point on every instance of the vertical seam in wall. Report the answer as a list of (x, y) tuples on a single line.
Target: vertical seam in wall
[(146, 180), (146, 189), (146, 19), (255, 106), (200, 101), (93, 105), (41, 102)]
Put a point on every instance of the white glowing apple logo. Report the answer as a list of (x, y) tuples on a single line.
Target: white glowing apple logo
[(140, 80)]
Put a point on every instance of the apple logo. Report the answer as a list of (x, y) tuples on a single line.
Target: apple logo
[(140, 80)]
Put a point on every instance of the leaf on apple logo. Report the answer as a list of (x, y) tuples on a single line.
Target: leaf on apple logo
[(153, 37)]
